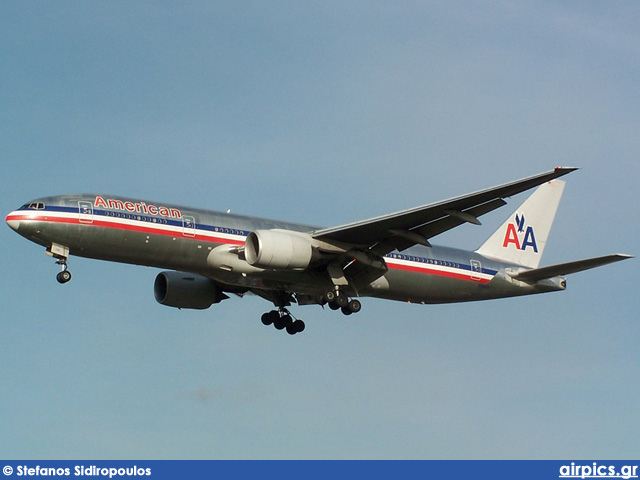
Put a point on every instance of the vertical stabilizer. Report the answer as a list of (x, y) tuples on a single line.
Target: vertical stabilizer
[(522, 238)]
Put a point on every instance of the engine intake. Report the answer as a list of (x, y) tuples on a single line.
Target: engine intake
[(186, 290), (278, 250)]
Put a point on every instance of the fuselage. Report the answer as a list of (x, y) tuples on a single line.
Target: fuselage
[(142, 232)]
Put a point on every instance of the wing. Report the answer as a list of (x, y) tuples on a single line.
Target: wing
[(401, 230)]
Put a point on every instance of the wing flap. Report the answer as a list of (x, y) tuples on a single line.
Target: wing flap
[(402, 242)]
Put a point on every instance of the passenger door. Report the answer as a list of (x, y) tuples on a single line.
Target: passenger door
[(188, 226), (476, 270), (85, 211)]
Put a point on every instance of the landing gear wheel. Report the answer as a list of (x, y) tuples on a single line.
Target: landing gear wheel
[(342, 301), (267, 318), (288, 321), (291, 330), (64, 276), (330, 296), (295, 327), (279, 323), (333, 306), (346, 311), (281, 319), (355, 306)]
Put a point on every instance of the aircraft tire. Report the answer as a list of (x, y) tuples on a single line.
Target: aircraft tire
[(267, 318), (355, 306), (342, 301), (279, 323), (346, 310), (64, 276), (330, 296), (333, 306)]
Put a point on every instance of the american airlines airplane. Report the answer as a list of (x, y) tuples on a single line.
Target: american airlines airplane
[(209, 254)]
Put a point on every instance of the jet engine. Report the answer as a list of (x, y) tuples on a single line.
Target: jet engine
[(186, 290), (278, 249)]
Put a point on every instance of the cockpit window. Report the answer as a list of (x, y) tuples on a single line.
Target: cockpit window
[(33, 206)]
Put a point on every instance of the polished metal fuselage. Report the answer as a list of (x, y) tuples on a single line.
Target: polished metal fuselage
[(126, 230)]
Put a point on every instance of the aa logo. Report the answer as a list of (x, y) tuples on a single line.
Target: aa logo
[(519, 236)]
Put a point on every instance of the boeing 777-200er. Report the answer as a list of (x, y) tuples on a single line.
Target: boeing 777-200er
[(210, 254)]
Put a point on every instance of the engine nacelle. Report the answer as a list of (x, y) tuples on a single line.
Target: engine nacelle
[(278, 250), (186, 290)]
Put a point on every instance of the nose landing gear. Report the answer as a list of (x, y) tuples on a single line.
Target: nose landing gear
[(65, 275), (60, 253)]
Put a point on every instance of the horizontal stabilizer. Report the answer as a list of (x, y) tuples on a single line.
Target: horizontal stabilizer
[(566, 268)]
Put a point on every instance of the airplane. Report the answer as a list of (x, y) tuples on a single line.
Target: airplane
[(211, 254)]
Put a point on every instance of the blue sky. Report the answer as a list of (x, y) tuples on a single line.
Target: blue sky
[(322, 113)]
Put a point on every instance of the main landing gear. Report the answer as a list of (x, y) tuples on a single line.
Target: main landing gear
[(338, 300), (282, 319)]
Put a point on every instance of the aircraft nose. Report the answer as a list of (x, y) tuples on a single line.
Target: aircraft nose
[(13, 221)]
